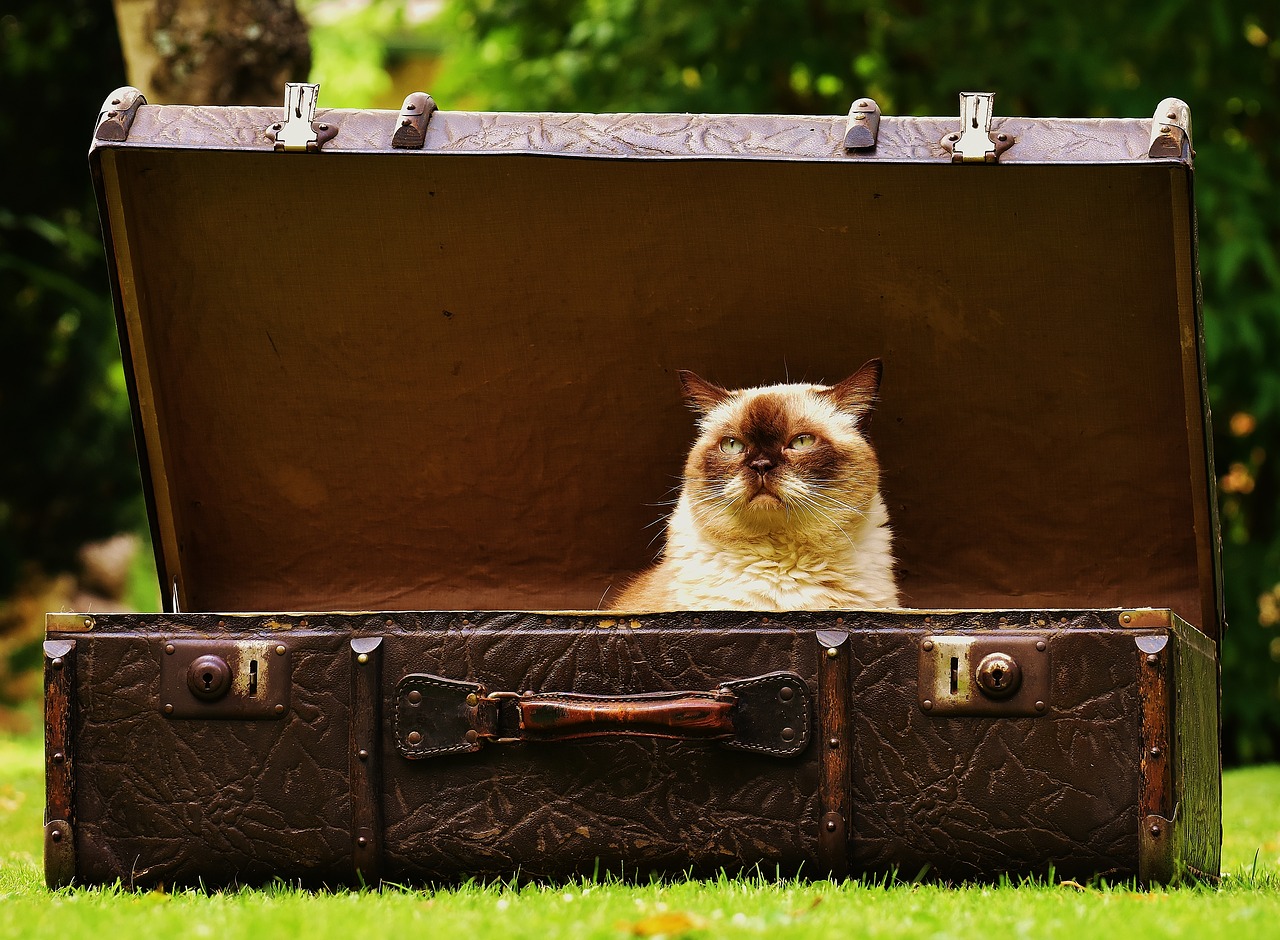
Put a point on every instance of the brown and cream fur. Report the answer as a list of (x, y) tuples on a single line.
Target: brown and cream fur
[(780, 508)]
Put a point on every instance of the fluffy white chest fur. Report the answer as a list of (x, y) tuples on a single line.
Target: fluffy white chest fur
[(781, 572)]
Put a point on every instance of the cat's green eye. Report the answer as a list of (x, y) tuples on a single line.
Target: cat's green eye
[(801, 441), (731, 445)]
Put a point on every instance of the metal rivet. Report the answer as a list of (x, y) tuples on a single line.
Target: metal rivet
[(1039, 706), (411, 107), (472, 736), (786, 693), (168, 648), (406, 122), (1126, 618), (1155, 831), (415, 697), (112, 114), (362, 658), (832, 652), (1002, 137), (279, 709), (473, 700), (280, 650), (863, 103), (415, 737), (277, 126), (323, 127), (926, 705), (788, 734), (859, 117), (117, 101), (59, 757), (168, 709), (833, 743), (362, 754), (56, 835), (57, 662), (362, 840), (88, 623), (1164, 128), (927, 645), (1041, 645), (1172, 115), (831, 825), (1156, 752), (1152, 659)]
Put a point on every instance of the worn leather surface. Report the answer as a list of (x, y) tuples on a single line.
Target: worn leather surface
[(655, 135), (166, 801), (1196, 754), (963, 797)]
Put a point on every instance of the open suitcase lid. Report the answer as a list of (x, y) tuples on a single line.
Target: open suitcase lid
[(445, 377)]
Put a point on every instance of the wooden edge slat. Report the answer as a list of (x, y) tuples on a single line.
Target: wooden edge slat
[(59, 719), (835, 749), (366, 760)]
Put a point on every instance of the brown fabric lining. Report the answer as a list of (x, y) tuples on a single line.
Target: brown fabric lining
[(449, 381)]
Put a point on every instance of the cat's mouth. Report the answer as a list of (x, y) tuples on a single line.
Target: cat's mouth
[(764, 498)]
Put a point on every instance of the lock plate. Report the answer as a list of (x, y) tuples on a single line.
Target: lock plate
[(255, 684), (970, 674)]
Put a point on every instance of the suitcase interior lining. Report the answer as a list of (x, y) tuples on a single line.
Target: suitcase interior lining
[(448, 381)]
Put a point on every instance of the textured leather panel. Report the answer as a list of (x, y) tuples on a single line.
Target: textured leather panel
[(165, 801), (965, 797), (1196, 754), (634, 804), (649, 135)]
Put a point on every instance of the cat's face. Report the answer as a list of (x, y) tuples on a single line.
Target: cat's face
[(785, 458)]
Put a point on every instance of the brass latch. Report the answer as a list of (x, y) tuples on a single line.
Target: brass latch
[(975, 143), (299, 131), (990, 674), (218, 677)]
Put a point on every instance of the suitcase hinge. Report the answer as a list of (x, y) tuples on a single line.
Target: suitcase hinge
[(117, 114), (411, 126), (975, 143), (862, 126), (299, 131), (1171, 130)]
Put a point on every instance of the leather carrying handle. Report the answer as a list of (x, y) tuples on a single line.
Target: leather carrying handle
[(435, 716), (682, 714)]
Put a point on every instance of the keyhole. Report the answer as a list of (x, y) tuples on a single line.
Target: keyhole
[(955, 674), (208, 681), (253, 677), (997, 676)]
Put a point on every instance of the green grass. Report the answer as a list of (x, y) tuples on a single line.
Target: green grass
[(1245, 905)]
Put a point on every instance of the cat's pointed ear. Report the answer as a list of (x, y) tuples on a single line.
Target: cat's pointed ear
[(857, 394), (701, 395)]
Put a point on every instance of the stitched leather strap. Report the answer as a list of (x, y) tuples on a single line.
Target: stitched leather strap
[(767, 714)]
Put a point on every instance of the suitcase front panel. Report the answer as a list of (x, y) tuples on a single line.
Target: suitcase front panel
[(624, 803), (165, 800), (963, 797)]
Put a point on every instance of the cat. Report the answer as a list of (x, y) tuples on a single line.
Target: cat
[(780, 506)]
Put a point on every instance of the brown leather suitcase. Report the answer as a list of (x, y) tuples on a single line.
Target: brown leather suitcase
[(422, 365)]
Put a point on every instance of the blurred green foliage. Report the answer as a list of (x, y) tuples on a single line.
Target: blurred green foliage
[(68, 473), (1041, 57)]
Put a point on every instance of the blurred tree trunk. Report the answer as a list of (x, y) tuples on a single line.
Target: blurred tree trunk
[(217, 52)]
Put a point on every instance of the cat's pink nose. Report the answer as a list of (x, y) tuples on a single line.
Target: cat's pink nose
[(761, 465)]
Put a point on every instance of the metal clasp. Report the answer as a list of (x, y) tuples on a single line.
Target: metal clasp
[(299, 131), (975, 143)]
